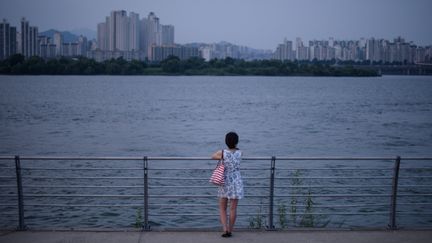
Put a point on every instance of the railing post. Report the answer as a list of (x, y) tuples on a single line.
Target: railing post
[(146, 225), (21, 226), (392, 222), (271, 198)]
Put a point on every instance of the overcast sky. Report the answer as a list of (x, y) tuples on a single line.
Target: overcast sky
[(255, 23)]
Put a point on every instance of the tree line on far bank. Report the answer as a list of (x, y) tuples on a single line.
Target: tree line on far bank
[(18, 65)]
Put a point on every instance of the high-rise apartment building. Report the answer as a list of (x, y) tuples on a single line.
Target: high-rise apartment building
[(34, 44), (58, 42), (82, 46), (7, 40), (301, 50), (102, 37), (151, 33), (374, 50), (134, 32), (119, 32), (29, 39), (167, 35), (25, 37), (284, 51)]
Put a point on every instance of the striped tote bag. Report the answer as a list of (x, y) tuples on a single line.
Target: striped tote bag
[(217, 177)]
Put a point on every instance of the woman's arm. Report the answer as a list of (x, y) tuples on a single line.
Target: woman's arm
[(217, 155)]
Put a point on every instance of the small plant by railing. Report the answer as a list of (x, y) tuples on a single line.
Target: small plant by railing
[(258, 221), (138, 219), (305, 218), (282, 211)]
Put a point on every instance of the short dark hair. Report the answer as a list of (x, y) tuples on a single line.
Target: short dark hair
[(231, 140)]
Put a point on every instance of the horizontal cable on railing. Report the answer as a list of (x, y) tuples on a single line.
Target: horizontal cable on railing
[(199, 196), (430, 186), (195, 214), (351, 195), (334, 177), (262, 205), (84, 205), (416, 168), (342, 205), (177, 178), (185, 187), (202, 205), (187, 169), (8, 205), (414, 213), (335, 195), (353, 213), (8, 214), (41, 168), (80, 195), (73, 178), (404, 204), (335, 158), (8, 186), (334, 186), (332, 169), (201, 178), (74, 158), (256, 214), (209, 186), (78, 186)]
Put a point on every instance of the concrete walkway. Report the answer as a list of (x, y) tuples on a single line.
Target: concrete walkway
[(210, 237)]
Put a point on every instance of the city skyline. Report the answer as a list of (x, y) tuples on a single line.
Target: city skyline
[(238, 21), (123, 34)]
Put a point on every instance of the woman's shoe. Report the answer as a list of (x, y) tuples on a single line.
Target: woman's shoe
[(226, 234)]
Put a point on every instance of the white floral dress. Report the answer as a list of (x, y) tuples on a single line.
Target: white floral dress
[(233, 187)]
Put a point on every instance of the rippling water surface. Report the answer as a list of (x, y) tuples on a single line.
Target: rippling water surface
[(188, 116)]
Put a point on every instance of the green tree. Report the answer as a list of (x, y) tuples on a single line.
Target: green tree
[(172, 64)]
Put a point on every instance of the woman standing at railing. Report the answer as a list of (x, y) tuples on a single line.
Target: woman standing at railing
[(232, 189)]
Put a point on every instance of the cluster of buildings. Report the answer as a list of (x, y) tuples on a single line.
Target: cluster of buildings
[(134, 38), (121, 35), (372, 50), (223, 50), (128, 36), (29, 43)]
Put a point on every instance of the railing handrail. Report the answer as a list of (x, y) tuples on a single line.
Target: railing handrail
[(31, 157), (272, 177)]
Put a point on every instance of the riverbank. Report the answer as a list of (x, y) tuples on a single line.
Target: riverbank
[(18, 65)]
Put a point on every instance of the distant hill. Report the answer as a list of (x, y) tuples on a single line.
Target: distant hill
[(67, 36), (89, 33)]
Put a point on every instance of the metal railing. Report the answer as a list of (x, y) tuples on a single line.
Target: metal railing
[(282, 186)]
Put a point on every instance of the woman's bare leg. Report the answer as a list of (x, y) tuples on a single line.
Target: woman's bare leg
[(223, 213), (233, 213)]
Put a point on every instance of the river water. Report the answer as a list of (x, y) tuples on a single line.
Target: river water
[(189, 116)]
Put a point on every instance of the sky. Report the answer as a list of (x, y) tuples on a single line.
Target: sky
[(255, 23)]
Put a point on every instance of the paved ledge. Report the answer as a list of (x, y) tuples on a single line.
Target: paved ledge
[(405, 236)]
